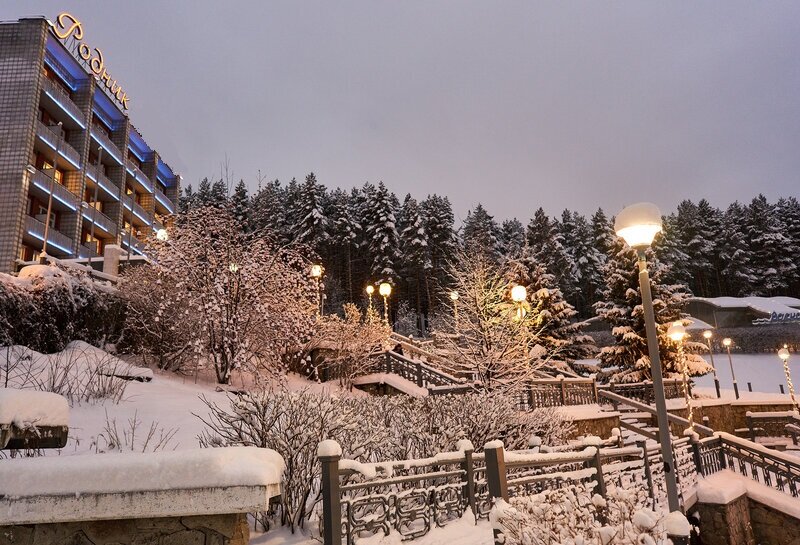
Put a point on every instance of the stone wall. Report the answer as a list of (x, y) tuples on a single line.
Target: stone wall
[(727, 417), (773, 527), (726, 524), (745, 521), (198, 530)]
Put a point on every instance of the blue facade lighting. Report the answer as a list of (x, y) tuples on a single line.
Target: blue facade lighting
[(135, 213), (56, 197), (102, 186), (110, 152), (61, 153), (165, 204), (49, 242), (65, 109)]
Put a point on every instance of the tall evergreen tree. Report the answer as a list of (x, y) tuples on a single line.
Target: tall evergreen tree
[(240, 206), (437, 216), (774, 266), (267, 208), (415, 262), (736, 257), (628, 359), (382, 236), (511, 239), (479, 233), (311, 224)]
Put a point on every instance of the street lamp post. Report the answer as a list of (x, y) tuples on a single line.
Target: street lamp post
[(677, 333), (316, 274), (726, 342), (638, 225), (370, 289), (519, 294), (43, 255), (385, 289), (707, 336), (454, 299), (783, 354)]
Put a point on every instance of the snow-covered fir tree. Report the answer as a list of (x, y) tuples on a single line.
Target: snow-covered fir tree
[(414, 250), (479, 233), (311, 226), (267, 207), (628, 359), (775, 268), (437, 215), (736, 257), (559, 332), (511, 239), (382, 237), (240, 205)]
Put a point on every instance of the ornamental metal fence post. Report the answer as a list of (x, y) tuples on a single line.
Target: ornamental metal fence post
[(698, 460), (419, 374), (331, 500)]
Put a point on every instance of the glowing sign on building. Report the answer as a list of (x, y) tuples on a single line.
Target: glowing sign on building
[(70, 31)]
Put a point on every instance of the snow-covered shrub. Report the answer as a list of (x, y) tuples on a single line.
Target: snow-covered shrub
[(158, 327), (253, 300), (350, 344), (293, 424), (575, 515), (80, 372), (48, 306), (369, 429), (132, 437)]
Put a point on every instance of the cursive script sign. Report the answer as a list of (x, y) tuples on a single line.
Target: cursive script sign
[(67, 28)]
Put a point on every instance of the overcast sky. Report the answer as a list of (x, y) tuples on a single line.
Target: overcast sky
[(512, 104)]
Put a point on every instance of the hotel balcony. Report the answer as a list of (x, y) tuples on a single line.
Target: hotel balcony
[(136, 245), (58, 96), (57, 243), (164, 202), (87, 250), (51, 138), (139, 176), (107, 189), (101, 138), (102, 223), (138, 212), (62, 197)]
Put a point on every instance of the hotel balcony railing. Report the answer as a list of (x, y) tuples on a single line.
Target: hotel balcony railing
[(140, 176), (135, 244), (62, 197), (157, 225), (55, 239), (165, 201), (51, 138), (60, 96), (101, 138), (136, 209), (87, 250), (107, 188), (100, 220)]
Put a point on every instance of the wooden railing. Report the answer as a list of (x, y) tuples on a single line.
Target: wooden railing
[(643, 391)]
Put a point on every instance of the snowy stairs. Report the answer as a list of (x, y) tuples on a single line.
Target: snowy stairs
[(636, 426)]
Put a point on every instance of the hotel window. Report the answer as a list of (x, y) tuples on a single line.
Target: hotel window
[(26, 253), (40, 213), (91, 242), (55, 78), (47, 167)]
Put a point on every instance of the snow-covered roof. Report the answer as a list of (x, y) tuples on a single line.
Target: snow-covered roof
[(697, 324), (764, 305)]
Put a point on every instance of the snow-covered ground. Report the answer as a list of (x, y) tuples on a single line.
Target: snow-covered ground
[(462, 532), (763, 371)]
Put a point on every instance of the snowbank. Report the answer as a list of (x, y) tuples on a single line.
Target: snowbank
[(114, 473), (25, 408)]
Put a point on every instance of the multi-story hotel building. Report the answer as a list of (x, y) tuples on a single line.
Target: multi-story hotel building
[(64, 130)]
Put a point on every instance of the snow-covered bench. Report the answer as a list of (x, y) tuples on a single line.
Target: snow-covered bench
[(32, 420), (188, 496)]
